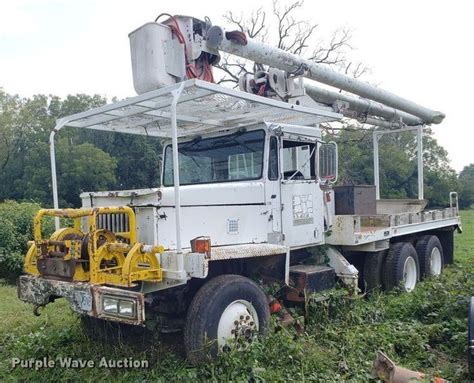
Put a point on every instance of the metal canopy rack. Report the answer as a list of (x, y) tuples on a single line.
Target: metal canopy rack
[(201, 107), (186, 109)]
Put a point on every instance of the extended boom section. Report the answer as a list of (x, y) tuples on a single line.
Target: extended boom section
[(278, 58)]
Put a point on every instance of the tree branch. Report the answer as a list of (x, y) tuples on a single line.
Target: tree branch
[(292, 35)]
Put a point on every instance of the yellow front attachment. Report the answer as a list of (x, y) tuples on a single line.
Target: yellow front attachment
[(98, 255)]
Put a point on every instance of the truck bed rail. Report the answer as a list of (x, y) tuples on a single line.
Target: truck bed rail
[(355, 230)]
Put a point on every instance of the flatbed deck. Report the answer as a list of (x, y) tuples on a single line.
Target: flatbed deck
[(356, 230)]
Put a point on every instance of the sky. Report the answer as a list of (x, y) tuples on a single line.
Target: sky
[(421, 50)]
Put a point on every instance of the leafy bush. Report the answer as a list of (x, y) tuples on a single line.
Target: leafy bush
[(16, 229), (11, 264), (7, 234)]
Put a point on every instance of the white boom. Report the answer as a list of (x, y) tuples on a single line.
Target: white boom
[(278, 58), (360, 105)]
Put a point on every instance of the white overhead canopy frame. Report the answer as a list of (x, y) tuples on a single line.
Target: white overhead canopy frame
[(419, 154), (183, 110)]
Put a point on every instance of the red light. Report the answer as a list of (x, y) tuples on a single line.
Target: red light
[(201, 245)]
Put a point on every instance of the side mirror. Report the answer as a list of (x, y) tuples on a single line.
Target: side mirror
[(328, 162)]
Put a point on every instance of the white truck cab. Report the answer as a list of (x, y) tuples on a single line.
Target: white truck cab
[(243, 186)]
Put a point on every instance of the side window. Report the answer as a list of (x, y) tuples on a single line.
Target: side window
[(299, 160), (273, 159)]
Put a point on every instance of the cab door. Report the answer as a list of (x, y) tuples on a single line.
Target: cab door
[(273, 192), (301, 196)]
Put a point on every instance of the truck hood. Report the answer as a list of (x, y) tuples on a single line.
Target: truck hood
[(230, 193)]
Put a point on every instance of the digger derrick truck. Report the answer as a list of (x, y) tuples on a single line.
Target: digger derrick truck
[(247, 193)]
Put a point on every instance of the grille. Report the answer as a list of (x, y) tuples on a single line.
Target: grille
[(117, 223)]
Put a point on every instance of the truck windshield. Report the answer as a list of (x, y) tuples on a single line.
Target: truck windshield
[(234, 157)]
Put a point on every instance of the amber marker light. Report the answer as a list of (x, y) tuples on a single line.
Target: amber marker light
[(201, 245)]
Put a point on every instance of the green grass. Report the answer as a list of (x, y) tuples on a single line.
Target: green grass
[(425, 330)]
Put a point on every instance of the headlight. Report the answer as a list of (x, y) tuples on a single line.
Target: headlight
[(110, 305), (118, 306), (127, 308)]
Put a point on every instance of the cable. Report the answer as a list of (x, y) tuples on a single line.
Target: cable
[(191, 71)]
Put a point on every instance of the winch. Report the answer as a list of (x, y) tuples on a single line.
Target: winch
[(89, 252)]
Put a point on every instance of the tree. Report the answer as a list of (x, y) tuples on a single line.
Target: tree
[(86, 160), (24, 122), (398, 164), (8, 112), (290, 34), (80, 167), (138, 157), (466, 181)]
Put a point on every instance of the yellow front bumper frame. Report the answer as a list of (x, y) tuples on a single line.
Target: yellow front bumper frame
[(133, 261)]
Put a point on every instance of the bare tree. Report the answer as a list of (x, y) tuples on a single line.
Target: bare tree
[(284, 30)]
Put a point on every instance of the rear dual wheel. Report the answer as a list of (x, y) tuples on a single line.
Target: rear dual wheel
[(430, 253), (401, 268), (397, 267), (404, 265)]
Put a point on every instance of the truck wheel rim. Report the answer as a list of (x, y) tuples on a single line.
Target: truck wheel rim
[(435, 261), (238, 325), (409, 274)]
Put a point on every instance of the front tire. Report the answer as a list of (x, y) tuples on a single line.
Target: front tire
[(228, 307), (401, 268), (430, 253)]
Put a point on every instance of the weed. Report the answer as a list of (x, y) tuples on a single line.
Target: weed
[(425, 330)]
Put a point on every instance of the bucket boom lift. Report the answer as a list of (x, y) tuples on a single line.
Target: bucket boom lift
[(184, 47)]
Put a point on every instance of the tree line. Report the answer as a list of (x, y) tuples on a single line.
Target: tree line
[(91, 160), (86, 160), (398, 166)]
